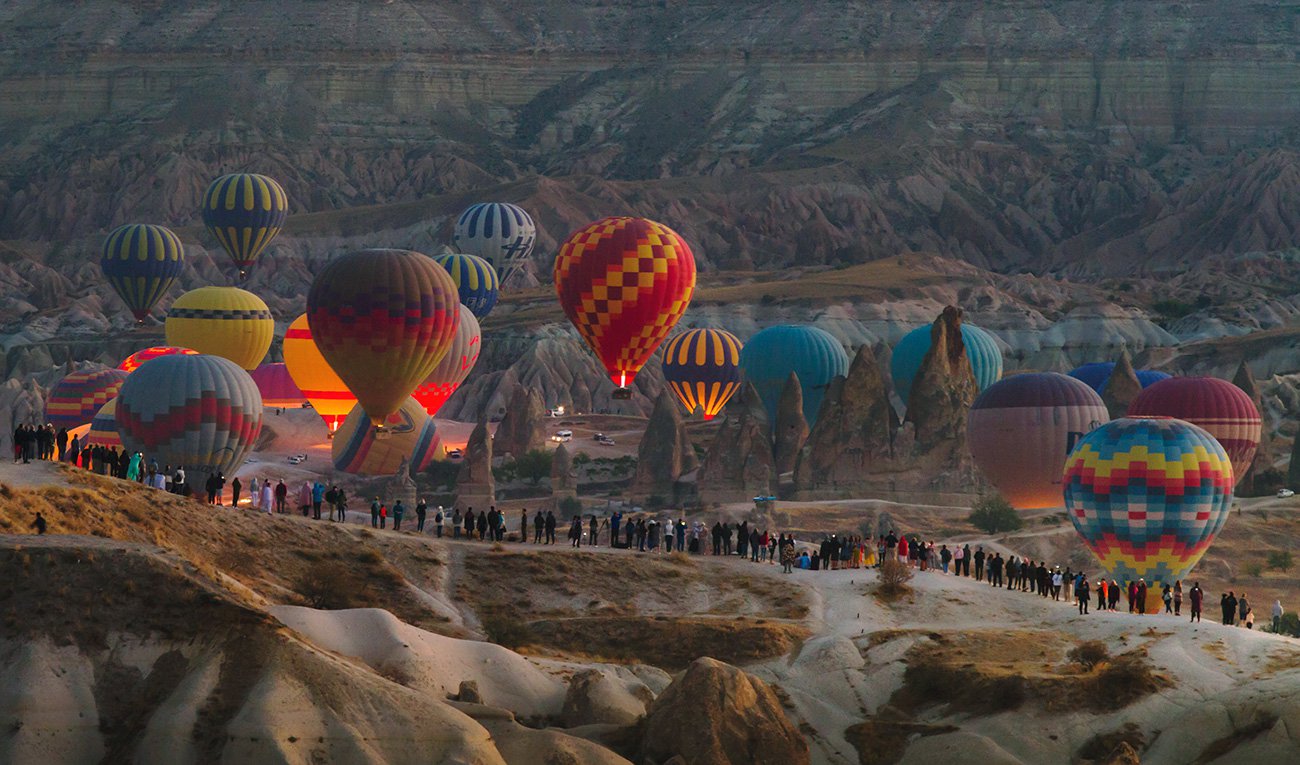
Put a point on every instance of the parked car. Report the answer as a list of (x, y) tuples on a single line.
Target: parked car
[(562, 436), (455, 454), (1284, 493)]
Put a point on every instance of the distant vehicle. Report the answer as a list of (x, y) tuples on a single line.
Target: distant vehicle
[(1283, 493), (297, 459), (455, 454), (601, 438), (562, 436), (555, 412), (764, 499)]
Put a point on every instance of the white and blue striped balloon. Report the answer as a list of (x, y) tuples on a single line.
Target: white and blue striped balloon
[(499, 232)]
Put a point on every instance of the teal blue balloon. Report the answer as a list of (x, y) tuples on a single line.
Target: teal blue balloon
[(812, 354), (982, 350)]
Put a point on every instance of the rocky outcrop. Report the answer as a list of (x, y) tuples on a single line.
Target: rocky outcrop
[(942, 392), (475, 485), (598, 697), (1122, 387), (1263, 459), (717, 714), (564, 482), (524, 426), (791, 427), (739, 460), (854, 435), (665, 453)]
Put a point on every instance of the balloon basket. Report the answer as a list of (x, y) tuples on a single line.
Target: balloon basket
[(622, 394)]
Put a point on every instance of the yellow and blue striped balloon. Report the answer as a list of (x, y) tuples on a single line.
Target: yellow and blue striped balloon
[(476, 281), (142, 261), (702, 367), (244, 212)]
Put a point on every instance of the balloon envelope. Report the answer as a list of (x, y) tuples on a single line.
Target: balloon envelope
[(74, 400), (476, 281), (1148, 496), (277, 386), (142, 262), (1097, 375), (811, 353), (624, 283), (410, 434), (383, 319), (499, 232), (981, 349), (244, 212), (222, 321), (454, 367), (103, 428), (702, 366), (1022, 429), (200, 412), (1219, 407), (133, 362), (319, 383)]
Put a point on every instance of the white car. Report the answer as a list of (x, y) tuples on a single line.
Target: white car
[(562, 436), (1284, 493)]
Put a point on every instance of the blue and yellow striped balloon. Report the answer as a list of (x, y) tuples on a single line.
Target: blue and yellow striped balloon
[(1148, 496), (476, 281), (142, 261), (702, 367), (244, 212)]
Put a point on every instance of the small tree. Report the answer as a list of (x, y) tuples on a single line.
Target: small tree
[(535, 464), (570, 506), (894, 576), (1280, 560), (994, 515)]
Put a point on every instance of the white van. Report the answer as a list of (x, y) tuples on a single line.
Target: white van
[(562, 436)]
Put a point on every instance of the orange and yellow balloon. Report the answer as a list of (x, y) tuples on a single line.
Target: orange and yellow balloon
[(319, 383)]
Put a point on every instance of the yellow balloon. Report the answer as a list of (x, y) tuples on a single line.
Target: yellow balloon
[(314, 376), (222, 321)]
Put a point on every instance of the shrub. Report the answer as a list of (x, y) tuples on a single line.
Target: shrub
[(1280, 560), (535, 464), (581, 458), (1089, 654), (506, 630), (994, 515), (894, 576), (570, 506), (1255, 569)]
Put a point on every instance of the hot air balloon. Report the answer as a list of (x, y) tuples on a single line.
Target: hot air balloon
[(412, 436), (244, 212), (222, 321), (133, 362), (500, 233), (383, 319), (142, 261), (1021, 429), (202, 413), (1097, 374), (454, 367), (103, 428), (1148, 495), (319, 383), (277, 386), (811, 353), (702, 366), (1218, 406), (982, 350), (75, 399), (624, 283), (475, 279)]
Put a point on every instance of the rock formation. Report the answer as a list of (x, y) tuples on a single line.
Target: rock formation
[(564, 483), (475, 485), (1122, 387), (791, 428), (717, 714), (943, 391), (401, 486), (597, 697), (665, 453), (524, 426), (854, 434), (1263, 459), (739, 460)]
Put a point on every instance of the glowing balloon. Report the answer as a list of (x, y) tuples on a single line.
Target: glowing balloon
[(812, 354), (244, 212), (319, 383), (277, 386), (411, 436), (1148, 496), (1219, 407), (103, 428), (142, 262), (200, 412), (133, 362), (624, 283), (1097, 375), (1021, 430), (981, 349), (74, 400), (702, 366), (475, 279), (501, 233), (454, 367), (383, 319), (222, 321)]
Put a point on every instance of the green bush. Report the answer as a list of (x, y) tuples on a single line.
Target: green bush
[(535, 464), (994, 515), (1254, 569), (1280, 560)]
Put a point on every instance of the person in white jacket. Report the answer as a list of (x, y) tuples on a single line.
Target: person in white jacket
[(1277, 616), (254, 493), (268, 496)]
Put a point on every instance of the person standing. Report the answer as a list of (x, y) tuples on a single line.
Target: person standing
[(255, 494), (593, 539), (1197, 597), (317, 498), (1178, 597), (979, 564), (455, 522), (539, 527), (399, 510), (482, 524), (1083, 593), (235, 488), (469, 524), (1243, 609), (421, 511), (1277, 616), (575, 532), (1167, 595), (62, 442), (281, 497), (681, 533), (438, 519), (268, 493), (615, 521), (374, 513), (523, 526), (1102, 589), (39, 524), (550, 527)]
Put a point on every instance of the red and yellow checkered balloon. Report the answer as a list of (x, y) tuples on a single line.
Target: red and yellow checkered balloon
[(624, 283)]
